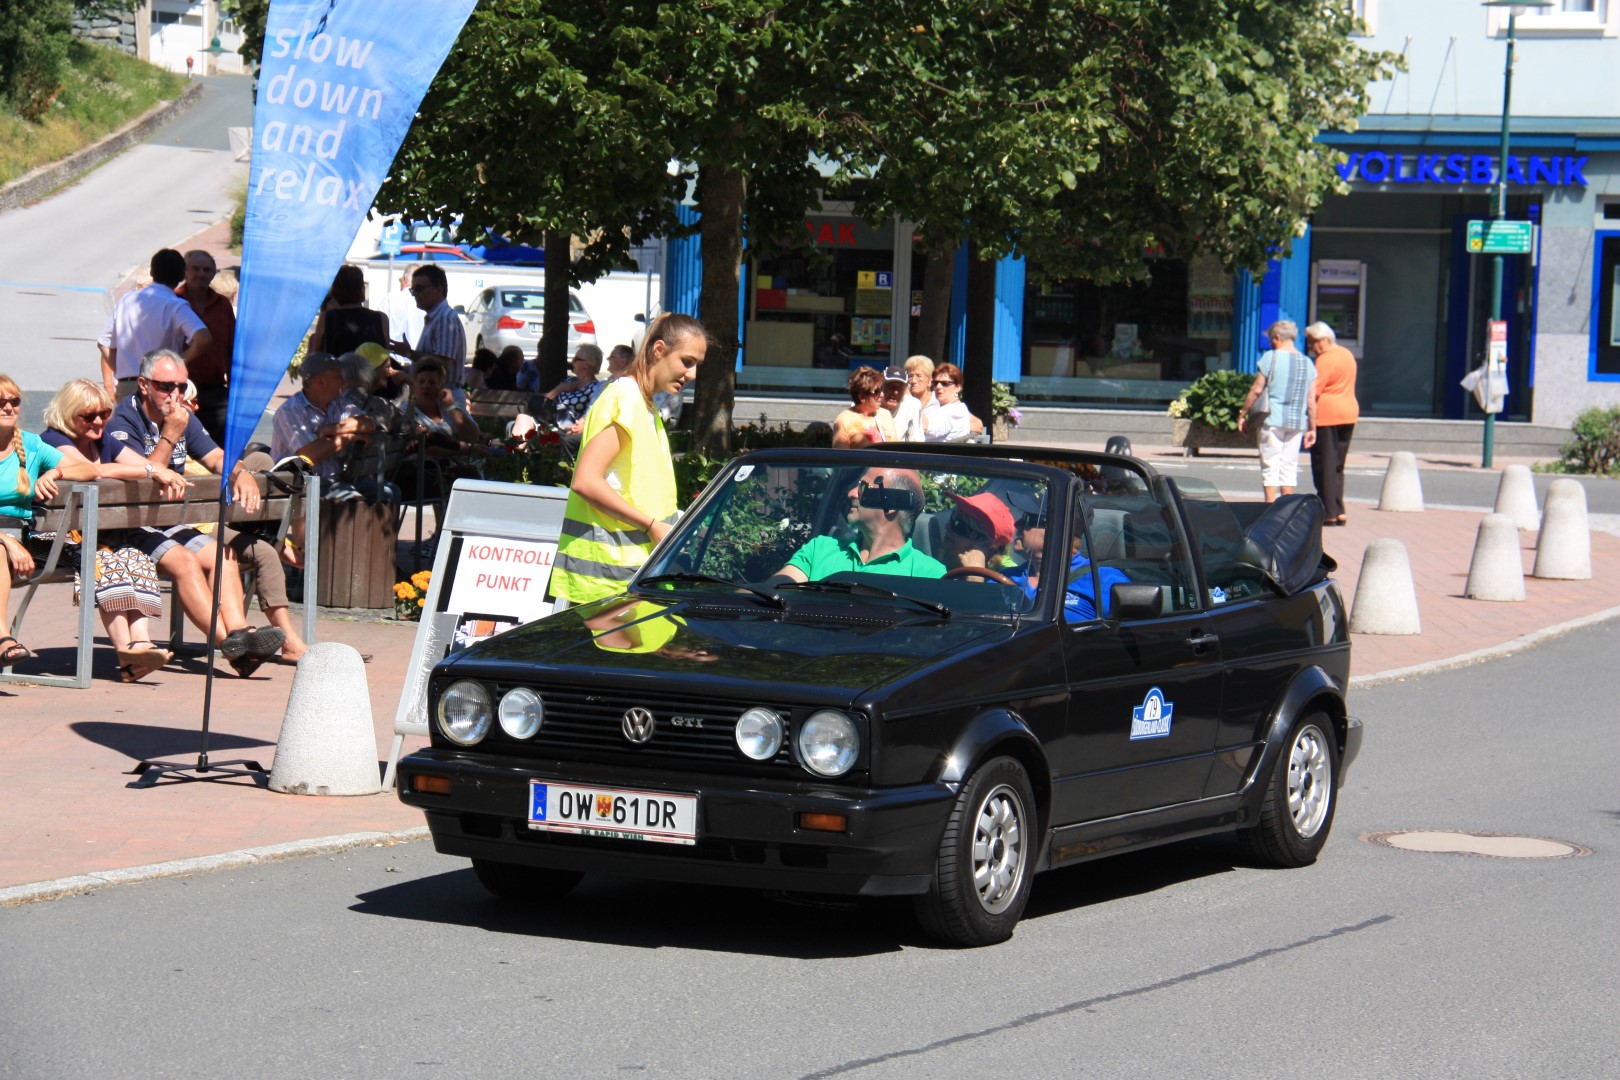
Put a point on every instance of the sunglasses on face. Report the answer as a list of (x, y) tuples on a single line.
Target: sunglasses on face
[(165, 387), (92, 417), (942, 382), (10, 402)]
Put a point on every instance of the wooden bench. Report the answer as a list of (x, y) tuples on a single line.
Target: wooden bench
[(105, 505), (497, 404)]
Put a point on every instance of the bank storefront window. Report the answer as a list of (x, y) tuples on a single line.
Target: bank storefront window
[(1137, 344), (812, 317)]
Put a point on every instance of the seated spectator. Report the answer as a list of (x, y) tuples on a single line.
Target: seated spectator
[(902, 406), (979, 532), (948, 419), (29, 469), (258, 556), (883, 508), (483, 362), (866, 422), (504, 375), (1079, 595), (528, 375), (448, 430), (575, 395), (154, 426), (319, 425), (127, 593)]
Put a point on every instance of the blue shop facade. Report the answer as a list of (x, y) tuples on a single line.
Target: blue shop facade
[(1388, 265)]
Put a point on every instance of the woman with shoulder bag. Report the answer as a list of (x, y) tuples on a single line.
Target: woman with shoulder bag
[(1288, 377)]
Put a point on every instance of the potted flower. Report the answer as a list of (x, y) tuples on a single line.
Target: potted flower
[(1004, 414), (410, 596), (1205, 414)]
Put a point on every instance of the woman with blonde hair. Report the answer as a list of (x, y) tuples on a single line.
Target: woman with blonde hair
[(126, 578), (623, 499), (29, 470)]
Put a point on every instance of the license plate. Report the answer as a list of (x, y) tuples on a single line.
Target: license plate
[(617, 813)]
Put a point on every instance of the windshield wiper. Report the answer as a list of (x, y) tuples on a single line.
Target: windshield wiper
[(709, 579), (861, 588)]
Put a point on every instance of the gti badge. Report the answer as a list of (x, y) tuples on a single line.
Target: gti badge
[(1149, 720), (637, 725), (686, 721)]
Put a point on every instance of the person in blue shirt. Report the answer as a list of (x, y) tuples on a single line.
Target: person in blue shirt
[(1079, 595)]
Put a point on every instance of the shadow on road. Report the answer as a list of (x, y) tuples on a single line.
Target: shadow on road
[(655, 915)]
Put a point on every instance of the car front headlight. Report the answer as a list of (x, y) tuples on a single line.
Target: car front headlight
[(759, 733), (465, 712), (829, 743), (521, 713)]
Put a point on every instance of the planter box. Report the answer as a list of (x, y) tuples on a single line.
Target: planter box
[(1195, 435)]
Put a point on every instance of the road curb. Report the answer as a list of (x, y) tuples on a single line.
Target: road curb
[(1480, 656), (17, 895)]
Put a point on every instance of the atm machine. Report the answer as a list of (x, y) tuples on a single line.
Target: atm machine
[(1339, 298)]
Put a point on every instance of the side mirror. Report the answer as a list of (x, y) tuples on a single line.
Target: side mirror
[(1132, 602), (459, 310), (640, 316)]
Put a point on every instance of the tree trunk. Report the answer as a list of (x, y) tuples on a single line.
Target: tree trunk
[(722, 196), (978, 357), (936, 305), (553, 356)]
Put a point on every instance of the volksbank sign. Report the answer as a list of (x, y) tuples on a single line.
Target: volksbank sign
[(1377, 167)]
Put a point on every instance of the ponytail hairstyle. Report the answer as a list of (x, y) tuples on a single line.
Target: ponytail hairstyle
[(669, 328), (9, 387)]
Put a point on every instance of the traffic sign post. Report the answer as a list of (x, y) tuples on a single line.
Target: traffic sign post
[(1501, 237)]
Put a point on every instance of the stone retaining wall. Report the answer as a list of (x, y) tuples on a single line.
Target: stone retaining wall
[(115, 30), (47, 178)]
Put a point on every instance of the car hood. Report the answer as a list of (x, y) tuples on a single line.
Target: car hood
[(820, 650)]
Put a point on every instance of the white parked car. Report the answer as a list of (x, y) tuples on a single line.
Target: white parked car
[(503, 315)]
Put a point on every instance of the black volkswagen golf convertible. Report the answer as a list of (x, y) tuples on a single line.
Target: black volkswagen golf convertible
[(922, 672)]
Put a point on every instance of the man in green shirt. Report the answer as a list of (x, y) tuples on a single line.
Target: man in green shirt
[(883, 507)]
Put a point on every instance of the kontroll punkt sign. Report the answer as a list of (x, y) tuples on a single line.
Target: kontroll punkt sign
[(1377, 167)]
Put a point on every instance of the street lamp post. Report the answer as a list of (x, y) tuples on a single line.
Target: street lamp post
[(1500, 214)]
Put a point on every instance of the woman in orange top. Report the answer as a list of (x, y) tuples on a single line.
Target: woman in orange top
[(1336, 415)]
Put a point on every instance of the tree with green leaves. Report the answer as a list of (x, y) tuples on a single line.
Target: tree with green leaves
[(1082, 135)]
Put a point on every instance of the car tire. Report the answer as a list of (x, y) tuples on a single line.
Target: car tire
[(525, 884), (1296, 813), (986, 859)]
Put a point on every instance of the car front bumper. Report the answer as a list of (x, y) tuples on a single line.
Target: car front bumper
[(748, 829)]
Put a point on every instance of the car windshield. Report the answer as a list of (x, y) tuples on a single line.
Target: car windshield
[(936, 540)]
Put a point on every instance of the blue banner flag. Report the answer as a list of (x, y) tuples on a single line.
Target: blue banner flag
[(338, 87)]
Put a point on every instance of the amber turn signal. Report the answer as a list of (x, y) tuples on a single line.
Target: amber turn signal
[(824, 822), (431, 785)]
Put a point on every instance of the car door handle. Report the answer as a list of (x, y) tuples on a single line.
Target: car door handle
[(1200, 641)]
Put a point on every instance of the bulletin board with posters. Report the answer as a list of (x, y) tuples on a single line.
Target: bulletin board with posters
[(490, 574)]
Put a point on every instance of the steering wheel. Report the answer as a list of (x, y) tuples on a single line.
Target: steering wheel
[(981, 571)]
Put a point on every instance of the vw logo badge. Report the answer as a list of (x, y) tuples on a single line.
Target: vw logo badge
[(637, 725)]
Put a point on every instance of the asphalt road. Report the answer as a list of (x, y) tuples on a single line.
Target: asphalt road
[(1181, 961), (71, 250)]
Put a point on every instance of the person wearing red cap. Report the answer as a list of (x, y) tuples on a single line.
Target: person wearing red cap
[(980, 529)]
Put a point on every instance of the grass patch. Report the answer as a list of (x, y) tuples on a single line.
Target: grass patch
[(102, 90)]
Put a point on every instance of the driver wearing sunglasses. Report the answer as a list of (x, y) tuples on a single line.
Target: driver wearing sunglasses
[(883, 508)]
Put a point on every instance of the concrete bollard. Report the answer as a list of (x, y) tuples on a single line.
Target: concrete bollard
[(1402, 490), (1386, 602), (1497, 569), (327, 744), (1564, 548), (1516, 497)]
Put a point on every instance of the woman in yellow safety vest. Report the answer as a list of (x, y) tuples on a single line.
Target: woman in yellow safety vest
[(623, 499)]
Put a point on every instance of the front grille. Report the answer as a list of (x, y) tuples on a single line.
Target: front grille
[(589, 722)]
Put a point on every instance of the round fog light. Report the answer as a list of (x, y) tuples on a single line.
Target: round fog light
[(829, 743), (759, 734), (521, 713), (465, 712)]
